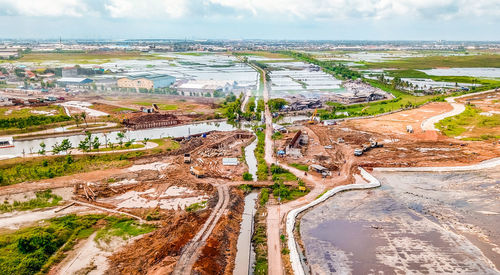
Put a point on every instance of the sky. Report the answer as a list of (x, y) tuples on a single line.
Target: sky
[(252, 19)]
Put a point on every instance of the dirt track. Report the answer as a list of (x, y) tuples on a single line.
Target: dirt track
[(191, 251)]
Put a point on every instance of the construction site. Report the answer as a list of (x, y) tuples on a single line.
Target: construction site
[(188, 195)]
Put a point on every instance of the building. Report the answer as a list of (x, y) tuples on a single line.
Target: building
[(146, 81), (8, 53), (204, 87), (74, 81), (229, 161)]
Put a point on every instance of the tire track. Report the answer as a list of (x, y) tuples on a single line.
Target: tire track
[(192, 250)]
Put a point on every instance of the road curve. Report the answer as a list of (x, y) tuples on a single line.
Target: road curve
[(191, 250), (458, 108)]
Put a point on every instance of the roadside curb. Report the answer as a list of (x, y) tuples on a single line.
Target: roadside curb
[(292, 215)]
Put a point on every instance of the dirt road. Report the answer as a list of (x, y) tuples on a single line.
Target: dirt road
[(277, 213), (192, 250), (458, 108)]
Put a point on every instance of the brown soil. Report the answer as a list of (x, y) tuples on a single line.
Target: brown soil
[(219, 253), (405, 149), (157, 253), (486, 102)]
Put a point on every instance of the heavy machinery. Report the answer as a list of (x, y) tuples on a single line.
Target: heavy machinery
[(197, 172), (187, 158), (312, 120), (358, 152), (155, 108)]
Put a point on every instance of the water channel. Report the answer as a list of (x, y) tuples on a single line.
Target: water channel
[(245, 256), (28, 146)]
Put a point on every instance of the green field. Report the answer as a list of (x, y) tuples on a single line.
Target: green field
[(163, 107), (469, 122), (458, 79), (402, 100), (43, 199), (430, 62), (17, 170), (86, 57), (27, 111), (33, 250)]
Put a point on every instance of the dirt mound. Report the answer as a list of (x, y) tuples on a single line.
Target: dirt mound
[(158, 252), (218, 255)]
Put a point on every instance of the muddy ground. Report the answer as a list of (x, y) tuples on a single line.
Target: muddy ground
[(415, 223)]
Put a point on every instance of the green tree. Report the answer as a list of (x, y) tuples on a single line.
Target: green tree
[(120, 136), (84, 117), (96, 144), (65, 145), (42, 148)]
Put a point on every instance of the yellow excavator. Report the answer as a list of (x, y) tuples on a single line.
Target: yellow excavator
[(312, 120)]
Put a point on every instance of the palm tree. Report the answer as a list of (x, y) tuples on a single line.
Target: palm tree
[(76, 118), (83, 115)]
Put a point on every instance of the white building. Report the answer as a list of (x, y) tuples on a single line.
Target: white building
[(204, 87)]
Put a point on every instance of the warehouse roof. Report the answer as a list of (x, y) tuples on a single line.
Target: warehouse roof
[(81, 80), (149, 76)]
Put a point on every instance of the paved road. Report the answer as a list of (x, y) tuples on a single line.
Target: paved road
[(192, 250)]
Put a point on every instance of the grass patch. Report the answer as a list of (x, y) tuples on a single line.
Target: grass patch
[(118, 148), (196, 206), (259, 238), (324, 192), (35, 249), (43, 199), (430, 62), (122, 227), (299, 166), (88, 57), (6, 113), (165, 144), (122, 109), (85, 127), (280, 173), (262, 168), (411, 73), (468, 120), (163, 107), (13, 171), (277, 135)]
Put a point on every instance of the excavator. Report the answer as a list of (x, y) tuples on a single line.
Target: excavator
[(312, 120)]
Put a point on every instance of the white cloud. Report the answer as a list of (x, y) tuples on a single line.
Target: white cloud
[(275, 9), (72, 8), (146, 9)]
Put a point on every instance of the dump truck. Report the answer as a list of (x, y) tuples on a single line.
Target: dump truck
[(187, 158), (197, 172), (358, 152)]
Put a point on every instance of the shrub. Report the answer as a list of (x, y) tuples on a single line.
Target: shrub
[(247, 176)]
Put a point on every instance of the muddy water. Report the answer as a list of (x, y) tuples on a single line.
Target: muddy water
[(415, 223), (245, 257), (251, 160)]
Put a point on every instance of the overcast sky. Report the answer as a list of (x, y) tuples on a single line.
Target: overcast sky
[(250, 19)]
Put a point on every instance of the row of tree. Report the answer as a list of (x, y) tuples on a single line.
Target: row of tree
[(32, 120), (338, 69), (88, 144)]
